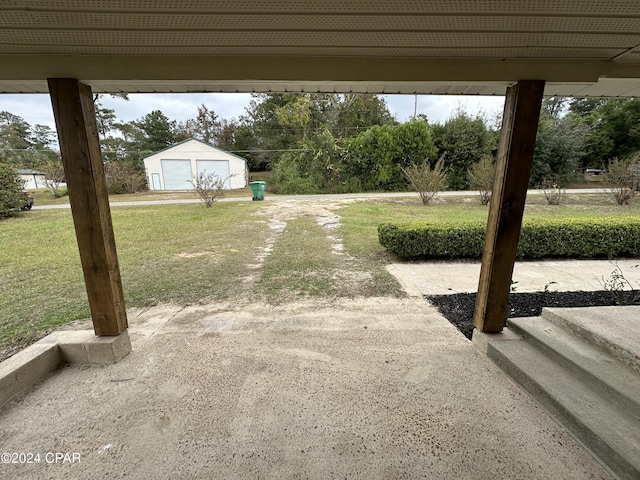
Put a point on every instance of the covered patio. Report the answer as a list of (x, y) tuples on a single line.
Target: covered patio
[(356, 389), (524, 50)]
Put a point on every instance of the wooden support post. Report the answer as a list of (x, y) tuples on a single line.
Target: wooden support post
[(513, 168), (75, 117)]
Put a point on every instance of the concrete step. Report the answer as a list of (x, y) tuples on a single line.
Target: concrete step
[(614, 330), (618, 382), (609, 431)]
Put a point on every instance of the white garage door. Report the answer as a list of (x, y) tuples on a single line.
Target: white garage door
[(219, 167), (177, 174)]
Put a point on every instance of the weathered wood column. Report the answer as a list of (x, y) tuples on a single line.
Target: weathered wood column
[(75, 117), (513, 168)]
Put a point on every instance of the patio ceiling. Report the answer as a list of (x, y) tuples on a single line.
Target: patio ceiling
[(580, 47)]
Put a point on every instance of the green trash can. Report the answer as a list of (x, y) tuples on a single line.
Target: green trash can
[(258, 190)]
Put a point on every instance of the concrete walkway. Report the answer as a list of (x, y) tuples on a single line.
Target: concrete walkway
[(363, 389), (441, 278)]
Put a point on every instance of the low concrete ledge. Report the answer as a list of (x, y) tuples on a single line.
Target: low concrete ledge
[(31, 365), (26, 368), (84, 347)]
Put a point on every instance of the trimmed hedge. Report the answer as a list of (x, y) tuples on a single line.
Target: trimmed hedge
[(573, 237)]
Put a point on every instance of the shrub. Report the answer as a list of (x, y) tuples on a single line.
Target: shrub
[(53, 177), (624, 178), (123, 178), (553, 191), (586, 238), (209, 187), (426, 181), (481, 176), (11, 197)]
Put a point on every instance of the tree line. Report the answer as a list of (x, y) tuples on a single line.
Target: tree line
[(315, 143)]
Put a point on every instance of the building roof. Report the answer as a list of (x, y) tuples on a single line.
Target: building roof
[(580, 47), (199, 141)]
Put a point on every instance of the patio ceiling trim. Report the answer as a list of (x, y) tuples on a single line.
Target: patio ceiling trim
[(182, 74)]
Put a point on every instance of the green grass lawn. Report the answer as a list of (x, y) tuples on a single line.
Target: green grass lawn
[(173, 253), (189, 254)]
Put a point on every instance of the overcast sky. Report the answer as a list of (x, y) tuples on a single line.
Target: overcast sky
[(36, 109)]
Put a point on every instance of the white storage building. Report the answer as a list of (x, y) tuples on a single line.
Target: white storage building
[(32, 178), (173, 168)]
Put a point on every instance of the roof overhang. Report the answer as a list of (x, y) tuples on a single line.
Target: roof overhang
[(179, 74), (579, 47)]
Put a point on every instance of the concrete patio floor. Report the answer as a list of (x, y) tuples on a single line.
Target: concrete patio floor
[(364, 389)]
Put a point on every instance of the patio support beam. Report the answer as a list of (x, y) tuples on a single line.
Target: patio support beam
[(75, 118), (513, 168)]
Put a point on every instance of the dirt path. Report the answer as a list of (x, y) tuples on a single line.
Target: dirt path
[(344, 270), (324, 213)]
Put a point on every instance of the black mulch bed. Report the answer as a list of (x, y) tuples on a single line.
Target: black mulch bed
[(458, 307)]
